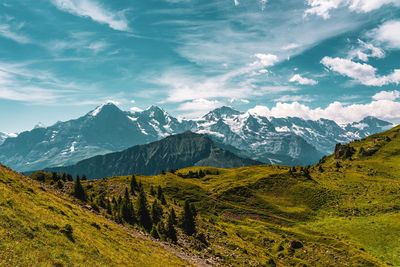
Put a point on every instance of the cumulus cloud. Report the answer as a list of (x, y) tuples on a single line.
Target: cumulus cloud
[(366, 51), (322, 8), (93, 10), (337, 111), (387, 95), (388, 34), (301, 80), (265, 60), (361, 72)]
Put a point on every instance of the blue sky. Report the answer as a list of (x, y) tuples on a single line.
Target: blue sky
[(337, 59)]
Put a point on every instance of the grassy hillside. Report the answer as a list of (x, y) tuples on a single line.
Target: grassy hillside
[(40, 228), (343, 211)]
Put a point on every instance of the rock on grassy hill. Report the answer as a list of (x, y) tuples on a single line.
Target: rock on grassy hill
[(41, 228)]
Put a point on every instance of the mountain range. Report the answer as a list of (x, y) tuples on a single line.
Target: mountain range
[(107, 129), (4, 136), (173, 152)]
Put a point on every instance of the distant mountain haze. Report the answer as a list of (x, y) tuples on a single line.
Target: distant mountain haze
[(108, 129)]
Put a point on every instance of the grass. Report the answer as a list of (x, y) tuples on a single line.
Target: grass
[(345, 212), (33, 232)]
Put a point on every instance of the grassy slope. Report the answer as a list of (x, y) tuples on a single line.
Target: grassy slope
[(31, 224), (251, 215), (368, 210), (346, 214)]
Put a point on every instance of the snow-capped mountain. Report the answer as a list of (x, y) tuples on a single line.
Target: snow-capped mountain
[(4, 136), (323, 134), (108, 129), (103, 130), (256, 137)]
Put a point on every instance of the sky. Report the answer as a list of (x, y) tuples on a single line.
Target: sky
[(335, 59)]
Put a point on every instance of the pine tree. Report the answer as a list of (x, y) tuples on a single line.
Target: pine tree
[(188, 221), (84, 178), (79, 192), (159, 192), (152, 192), (156, 212), (143, 213), (170, 231), (109, 210), (134, 185), (173, 216), (161, 230), (194, 210), (154, 232), (160, 195), (127, 212), (60, 185)]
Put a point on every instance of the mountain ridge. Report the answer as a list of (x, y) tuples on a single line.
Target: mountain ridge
[(108, 129), (174, 152)]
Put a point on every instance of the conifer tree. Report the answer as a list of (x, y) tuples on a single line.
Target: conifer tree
[(194, 210), (161, 230), (173, 216), (188, 221), (160, 195), (152, 192), (84, 178), (109, 210), (79, 192), (60, 185), (159, 192), (156, 212), (143, 213), (170, 231), (127, 212), (154, 232), (134, 185)]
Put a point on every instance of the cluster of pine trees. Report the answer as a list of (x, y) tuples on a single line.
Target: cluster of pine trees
[(133, 208)]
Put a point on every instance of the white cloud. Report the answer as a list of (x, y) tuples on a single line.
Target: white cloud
[(337, 111), (11, 32), (265, 60), (368, 5), (366, 51), (301, 80), (237, 84), (322, 8), (387, 95), (388, 33), (18, 82), (198, 107), (361, 72), (135, 109), (93, 10), (294, 98), (98, 46)]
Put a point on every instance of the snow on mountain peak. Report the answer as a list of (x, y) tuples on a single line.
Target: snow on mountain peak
[(97, 110)]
